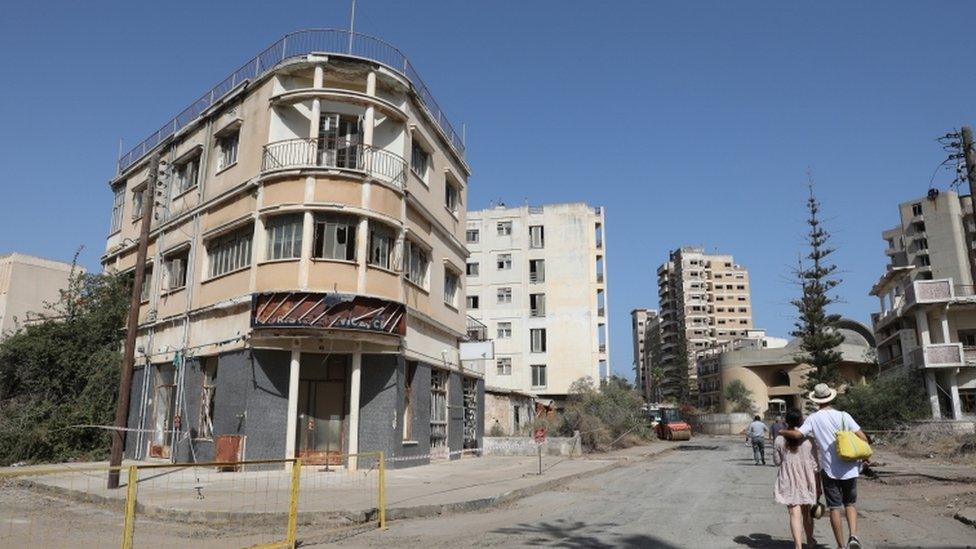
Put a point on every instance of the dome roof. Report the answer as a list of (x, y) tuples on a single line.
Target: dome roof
[(854, 332)]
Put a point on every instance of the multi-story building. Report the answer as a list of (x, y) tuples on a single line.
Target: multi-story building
[(27, 285), (704, 299), (306, 264), (642, 323), (927, 320), (537, 278)]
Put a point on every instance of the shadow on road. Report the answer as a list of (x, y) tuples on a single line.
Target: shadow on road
[(763, 540), (562, 533)]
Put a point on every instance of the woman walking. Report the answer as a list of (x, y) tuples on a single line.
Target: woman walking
[(796, 480)]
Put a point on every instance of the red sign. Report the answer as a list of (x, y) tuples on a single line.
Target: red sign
[(327, 311), (540, 435)]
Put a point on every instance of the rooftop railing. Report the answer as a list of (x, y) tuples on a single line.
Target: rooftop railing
[(298, 44)]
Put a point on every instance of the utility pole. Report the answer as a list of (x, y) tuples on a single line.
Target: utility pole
[(969, 155), (128, 355)]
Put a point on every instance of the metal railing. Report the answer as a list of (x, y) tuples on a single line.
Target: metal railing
[(329, 153), (298, 44)]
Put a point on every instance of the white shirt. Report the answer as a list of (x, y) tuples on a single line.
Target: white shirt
[(823, 425)]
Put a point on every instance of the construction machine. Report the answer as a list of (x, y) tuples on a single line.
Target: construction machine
[(671, 426)]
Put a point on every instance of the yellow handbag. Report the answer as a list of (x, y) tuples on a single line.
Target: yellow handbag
[(850, 446)]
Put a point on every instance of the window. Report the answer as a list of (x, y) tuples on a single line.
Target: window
[(472, 236), (504, 228), (118, 205), (335, 237), (537, 270), (451, 283), (537, 236), (452, 197), (538, 338), (175, 265), (916, 209), (339, 141), (138, 195), (230, 252), (539, 375), (438, 409), (504, 262), (537, 304), (227, 149), (146, 284), (207, 394), (284, 237), (408, 413), (473, 301), (473, 269), (504, 330), (381, 244), (186, 175), (503, 366), (418, 261), (419, 160), (924, 260), (504, 295)]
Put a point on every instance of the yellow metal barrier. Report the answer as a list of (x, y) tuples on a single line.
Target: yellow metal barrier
[(261, 504)]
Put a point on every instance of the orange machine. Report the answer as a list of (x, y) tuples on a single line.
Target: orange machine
[(671, 426)]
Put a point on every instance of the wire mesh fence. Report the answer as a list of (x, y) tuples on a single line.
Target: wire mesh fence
[(273, 503)]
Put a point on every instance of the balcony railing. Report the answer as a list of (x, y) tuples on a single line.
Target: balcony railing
[(327, 153), (294, 45)]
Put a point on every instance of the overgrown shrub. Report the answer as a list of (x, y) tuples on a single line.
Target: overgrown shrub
[(738, 396), (64, 371), (886, 402), (606, 416)]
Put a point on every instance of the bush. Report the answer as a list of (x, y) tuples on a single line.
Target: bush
[(739, 397), (885, 403), (606, 417)]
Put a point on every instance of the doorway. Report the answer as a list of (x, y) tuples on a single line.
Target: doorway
[(323, 395), (163, 397)]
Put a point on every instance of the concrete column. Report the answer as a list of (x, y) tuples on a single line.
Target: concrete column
[(362, 253), (317, 82), (291, 433), (355, 380), (922, 320), (933, 391), (369, 120), (954, 393), (305, 263), (944, 322), (257, 250)]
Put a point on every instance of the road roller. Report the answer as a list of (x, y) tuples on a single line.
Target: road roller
[(672, 427)]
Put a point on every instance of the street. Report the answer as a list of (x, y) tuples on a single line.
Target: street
[(706, 493)]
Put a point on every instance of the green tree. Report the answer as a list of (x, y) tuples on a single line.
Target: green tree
[(64, 371), (738, 396), (814, 324)]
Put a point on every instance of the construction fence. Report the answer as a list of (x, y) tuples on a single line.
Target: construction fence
[(271, 503)]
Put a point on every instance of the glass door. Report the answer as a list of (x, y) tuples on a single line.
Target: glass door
[(321, 421)]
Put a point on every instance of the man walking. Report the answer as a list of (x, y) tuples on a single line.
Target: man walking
[(837, 476), (778, 426), (756, 434)]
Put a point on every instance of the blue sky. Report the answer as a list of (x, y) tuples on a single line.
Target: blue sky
[(693, 123)]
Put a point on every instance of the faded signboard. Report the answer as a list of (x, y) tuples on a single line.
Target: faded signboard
[(327, 310)]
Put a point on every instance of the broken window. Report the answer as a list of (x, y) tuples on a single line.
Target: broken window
[(408, 415), (438, 410), (207, 393)]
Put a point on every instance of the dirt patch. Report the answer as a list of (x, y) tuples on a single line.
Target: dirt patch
[(930, 443)]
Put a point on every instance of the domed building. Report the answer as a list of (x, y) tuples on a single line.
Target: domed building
[(768, 368)]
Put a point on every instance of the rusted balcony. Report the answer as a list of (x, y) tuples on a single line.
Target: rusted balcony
[(346, 155)]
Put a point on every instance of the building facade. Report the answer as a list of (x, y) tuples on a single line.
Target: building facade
[(927, 317), (537, 279), (767, 367), (704, 300), (304, 291), (27, 284), (643, 324)]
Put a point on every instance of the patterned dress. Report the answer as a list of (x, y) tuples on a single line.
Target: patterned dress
[(796, 481)]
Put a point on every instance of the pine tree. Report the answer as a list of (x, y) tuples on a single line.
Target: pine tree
[(815, 326)]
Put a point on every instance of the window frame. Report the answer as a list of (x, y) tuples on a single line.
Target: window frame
[(118, 207), (503, 330), (228, 146), (503, 366), (539, 374), (293, 241), (504, 291), (423, 253), (328, 228), (504, 228), (451, 274), (503, 262), (208, 393), (542, 346), (380, 233), (534, 242), (180, 259)]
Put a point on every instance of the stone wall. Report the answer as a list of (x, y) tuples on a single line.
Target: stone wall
[(526, 446)]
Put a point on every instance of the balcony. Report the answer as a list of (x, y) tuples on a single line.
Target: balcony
[(297, 45), (373, 162), (939, 355), (537, 277)]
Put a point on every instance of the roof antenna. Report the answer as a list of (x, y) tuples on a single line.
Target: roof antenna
[(352, 24)]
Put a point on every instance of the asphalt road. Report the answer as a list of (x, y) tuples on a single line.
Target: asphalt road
[(706, 493)]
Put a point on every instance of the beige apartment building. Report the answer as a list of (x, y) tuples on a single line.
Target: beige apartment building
[(306, 264), (27, 285), (643, 324), (927, 317), (704, 300), (537, 280)]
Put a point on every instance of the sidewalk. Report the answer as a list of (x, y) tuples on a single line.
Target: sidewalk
[(197, 495)]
